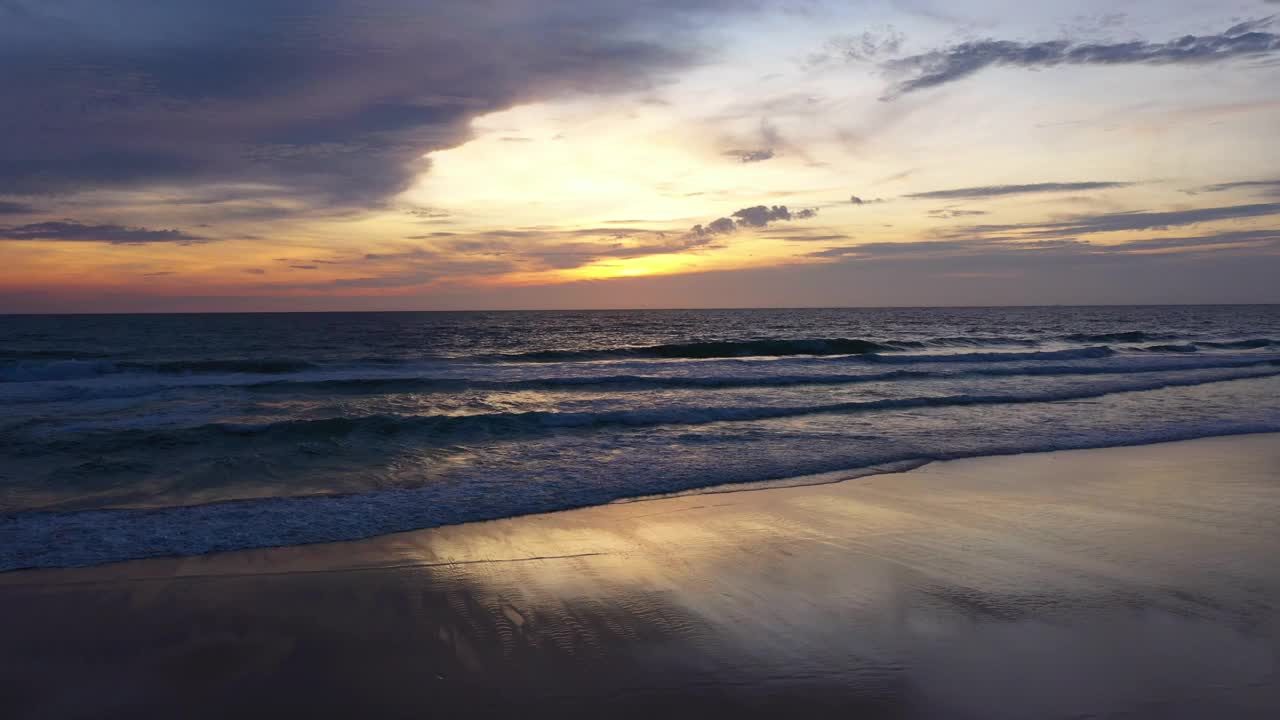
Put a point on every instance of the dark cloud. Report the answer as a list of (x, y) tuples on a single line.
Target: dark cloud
[(719, 226), (757, 216), (304, 267), (255, 271), (761, 215), (15, 208), (1001, 190), (333, 101), (940, 67), (72, 231), (751, 156), (1115, 222)]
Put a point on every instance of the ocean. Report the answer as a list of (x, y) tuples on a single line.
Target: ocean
[(138, 436)]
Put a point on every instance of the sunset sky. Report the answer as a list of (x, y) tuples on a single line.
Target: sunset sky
[(406, 154)]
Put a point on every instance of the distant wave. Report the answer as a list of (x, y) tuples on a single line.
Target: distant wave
[(36, 371), (878, 351), (707, 350), (1088, 353), (1250, 344), (263, 367), (359, 385), (513, 424), (1133, 336), (1183, 348), (66, 365)]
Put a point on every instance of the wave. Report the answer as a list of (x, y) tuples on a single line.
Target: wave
[(1133, 336), (28, 371), (1198, 345), (49, 354), (65, 365), (968, 341), (707, 350), (374, 385), (258, 367), (1089, 353), (453, 428), (40, 539), (55, 370), (1250, 344), (1183, 348)]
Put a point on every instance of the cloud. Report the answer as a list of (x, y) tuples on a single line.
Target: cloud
[(932, 249), (760, 215), (255, 271), (72, 231), (798, 234), (1002, 190), (862, 47), (428, 213), (952, 213), (751, 156), (947, 65), (335, 101), (719, 226), (1115, 222), (446, 256), (764, 146), (757, 216), (15, 208), (1270, 185)]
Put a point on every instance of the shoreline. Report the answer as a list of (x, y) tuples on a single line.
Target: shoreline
[(1136, 580), (52, 528)]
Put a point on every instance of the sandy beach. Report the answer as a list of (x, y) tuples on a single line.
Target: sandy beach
[(1126, 582)]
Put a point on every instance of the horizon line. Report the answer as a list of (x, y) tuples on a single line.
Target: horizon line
[(638, 309)]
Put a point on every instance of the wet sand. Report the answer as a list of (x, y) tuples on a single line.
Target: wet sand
[(1130, 582)]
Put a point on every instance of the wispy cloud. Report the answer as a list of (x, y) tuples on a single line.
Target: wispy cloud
[(939, 67), (864, 46), (858, 200), (1213, 242), (72, 231), (15, 208), (952, 213), (1272, 186), (986, 191), (751, 156), (1116, 222)]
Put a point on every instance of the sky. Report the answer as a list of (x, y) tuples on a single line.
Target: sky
[(275, 155)]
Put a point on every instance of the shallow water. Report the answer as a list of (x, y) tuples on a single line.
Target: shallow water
[(126, 436)]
